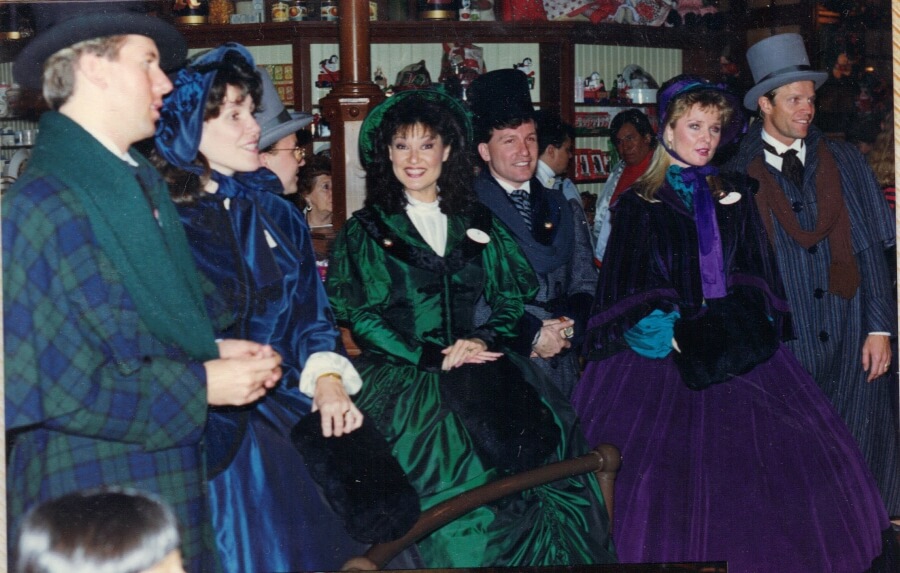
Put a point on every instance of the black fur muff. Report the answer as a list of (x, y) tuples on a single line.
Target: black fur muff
[(362, 481)]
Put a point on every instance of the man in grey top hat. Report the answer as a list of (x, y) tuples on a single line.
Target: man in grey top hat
[(829, 225), (111, 360), (278, 148), (552, 232)]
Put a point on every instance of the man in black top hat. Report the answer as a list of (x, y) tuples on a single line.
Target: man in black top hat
[(552, 232), (111, 359), (829, 225)]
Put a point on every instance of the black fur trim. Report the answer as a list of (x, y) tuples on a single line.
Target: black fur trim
[(362, 481), (510, 426), (426, 259), (432, 357), (730, 339)]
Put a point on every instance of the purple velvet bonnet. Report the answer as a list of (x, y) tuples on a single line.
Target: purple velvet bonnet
[(684, 84)]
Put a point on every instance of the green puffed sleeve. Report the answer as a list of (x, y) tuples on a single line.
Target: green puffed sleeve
[(510, 281), (359, 288)]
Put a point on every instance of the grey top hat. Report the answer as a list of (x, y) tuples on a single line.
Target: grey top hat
[(274, 120), (62, 24), (777, 61)]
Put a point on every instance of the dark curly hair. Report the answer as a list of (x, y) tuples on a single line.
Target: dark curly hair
[(306, 180), (455, 181), (233, 70), (638, 119)]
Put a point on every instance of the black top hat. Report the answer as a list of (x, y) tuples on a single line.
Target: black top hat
[(62, 24), (499, 97)]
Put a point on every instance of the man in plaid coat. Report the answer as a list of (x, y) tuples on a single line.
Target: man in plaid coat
[(111, 361)]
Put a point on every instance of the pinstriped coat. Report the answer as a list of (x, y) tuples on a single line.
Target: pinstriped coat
[(92, 398), (831, 330)]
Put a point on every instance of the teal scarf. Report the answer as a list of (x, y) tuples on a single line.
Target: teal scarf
[(152, 256)]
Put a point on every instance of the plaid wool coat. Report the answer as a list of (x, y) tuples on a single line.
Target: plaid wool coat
[(92, 398)]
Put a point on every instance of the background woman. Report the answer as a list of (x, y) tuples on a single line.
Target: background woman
[(314, 191), (749, 465), (254, 248), (405, 274)]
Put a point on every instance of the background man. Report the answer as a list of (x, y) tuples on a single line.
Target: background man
[(829, 224), (552, 232), (635, 141), (556, 144), (111, 361)]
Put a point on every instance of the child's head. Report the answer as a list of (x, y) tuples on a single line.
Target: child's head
[(100, 531)]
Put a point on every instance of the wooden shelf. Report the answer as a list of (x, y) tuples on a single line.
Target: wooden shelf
[(557, 42), (208, 35)]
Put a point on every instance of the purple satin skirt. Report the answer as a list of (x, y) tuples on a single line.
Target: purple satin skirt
[(759, 471)]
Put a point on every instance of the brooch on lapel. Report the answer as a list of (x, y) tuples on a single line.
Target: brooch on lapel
[(715, 187), (731, 198), (478, 236)]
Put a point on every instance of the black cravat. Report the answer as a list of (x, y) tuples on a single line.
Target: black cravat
[(791, 166)]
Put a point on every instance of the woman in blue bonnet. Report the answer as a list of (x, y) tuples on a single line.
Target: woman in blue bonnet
[(730, 452), (256, 250)]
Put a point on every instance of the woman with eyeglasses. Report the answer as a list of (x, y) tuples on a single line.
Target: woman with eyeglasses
[(279, 149), (255, 249), (284, 158)]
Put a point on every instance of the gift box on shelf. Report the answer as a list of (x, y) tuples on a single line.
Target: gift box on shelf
[(283, 77), (592, 122), (591, 164)]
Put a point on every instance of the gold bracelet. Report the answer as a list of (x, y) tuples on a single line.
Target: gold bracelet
[(335, 374)]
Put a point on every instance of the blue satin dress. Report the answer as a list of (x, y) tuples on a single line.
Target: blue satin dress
[(257, 251)]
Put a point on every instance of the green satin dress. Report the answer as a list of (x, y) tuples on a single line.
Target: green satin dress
[(403, 303)]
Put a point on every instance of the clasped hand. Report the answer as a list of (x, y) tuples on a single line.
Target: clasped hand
[(242, 374), (552, 338), (467, 351)]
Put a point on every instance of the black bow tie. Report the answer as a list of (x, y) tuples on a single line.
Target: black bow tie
[(791, 166)]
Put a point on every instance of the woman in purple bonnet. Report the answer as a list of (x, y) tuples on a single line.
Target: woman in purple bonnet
[(730, 452)]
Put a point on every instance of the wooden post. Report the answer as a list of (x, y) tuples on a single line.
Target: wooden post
[(347, 105)]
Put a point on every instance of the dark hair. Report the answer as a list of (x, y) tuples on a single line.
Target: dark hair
[(233, 70), (306, 179), (455, 182), (552, 130), (315, 166), (109, 530), (484, 129), (638, 119)]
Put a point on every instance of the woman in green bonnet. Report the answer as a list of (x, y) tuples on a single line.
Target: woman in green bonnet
[(405, 274)]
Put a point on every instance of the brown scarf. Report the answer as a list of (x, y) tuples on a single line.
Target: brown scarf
[(833, 223)]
